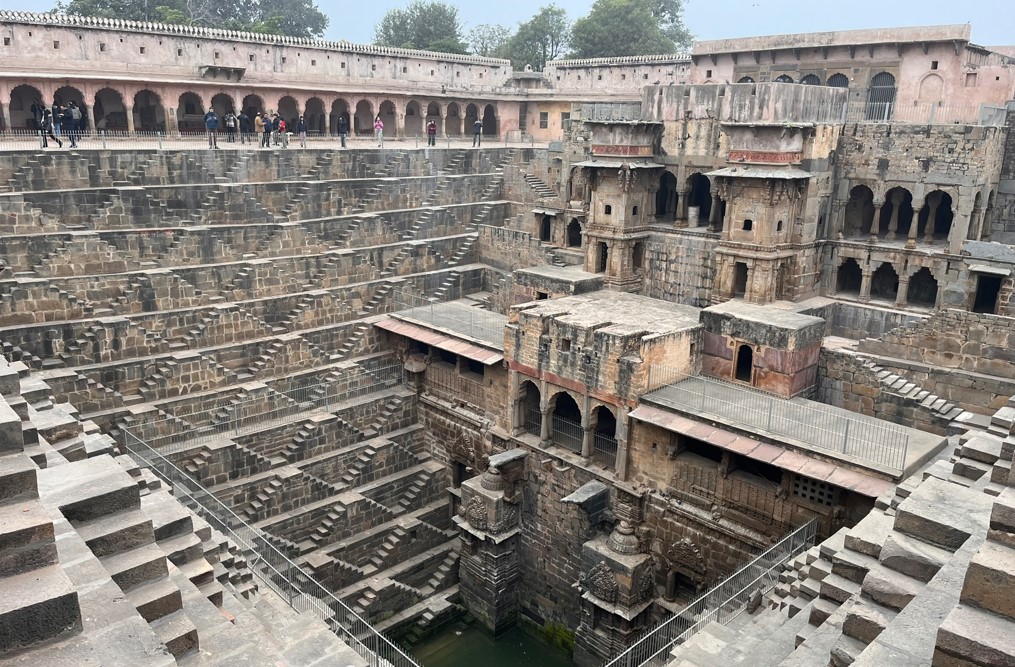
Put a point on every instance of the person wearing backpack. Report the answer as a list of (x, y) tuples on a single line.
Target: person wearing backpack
[(77, 123), (431, 133), (266, 134), (230, 127), (477, 133), (70, 126), (211, 123), (244, 122), (343, 129), (47, 129)]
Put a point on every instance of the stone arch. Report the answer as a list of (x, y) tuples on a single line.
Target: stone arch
[(922, 290), (433, 113), (700, 196), (67, 94), (897, 209), (190, 113), (149, 114), (881, 97), (253, 105), (666, 197), (110, 111), (811, 80), (289, 110), (20, 108), (388, 115), (885, 282), (413, 119), (859, 211), (604, 435), (471, 114), (453, 121), (745, 79), (931, 88), (314, 116), (491, 126), (784, 78), (574, 234), (566, 421), (936, 216), (363, 120), (339, 109), (848, 278), (838, 80), (222, 104)]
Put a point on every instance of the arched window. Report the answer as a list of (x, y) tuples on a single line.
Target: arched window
[(784, 78), (838, 81), (848, 278), (881, 97), (745, 79), (545, 229), (745, 364), (885, 282), (574, 234), (566, 423), (811, 80), (922, 289)]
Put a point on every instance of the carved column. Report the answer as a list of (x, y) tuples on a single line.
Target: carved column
[(715, 215), (933, 201), (130, 120), (488, 525), (617, 586), (893, 224), (903, 295), (865, 286), (682, 203), (876, 223), (544, 424), (914, 225)]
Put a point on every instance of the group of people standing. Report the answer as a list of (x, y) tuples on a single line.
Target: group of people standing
[(52, 122), (268, 129)]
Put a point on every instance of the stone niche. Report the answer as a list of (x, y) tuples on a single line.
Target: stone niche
[(765, 346), (624, 138)]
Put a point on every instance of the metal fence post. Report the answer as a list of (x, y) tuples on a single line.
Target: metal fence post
[(158, 136), (771, 403), (845, 436), (102, 134)]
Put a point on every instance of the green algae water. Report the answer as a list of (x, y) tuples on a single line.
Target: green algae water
[(472, 646)]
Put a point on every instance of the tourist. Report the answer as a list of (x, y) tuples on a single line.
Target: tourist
[(211, 124), (57, 118), (47, 129), (283, 132), (70, 125), (266, 134), (244, 123), (379, 130), (301, 129), (431, 133), (258, 127), (231, 127), (37, 114), (343, 129), (477, 133), (276, 123)]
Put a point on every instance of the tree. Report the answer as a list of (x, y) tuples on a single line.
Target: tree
[(297, 18), (539, 39), (431, 26), (624, 28), (670, 14), (488, 40)]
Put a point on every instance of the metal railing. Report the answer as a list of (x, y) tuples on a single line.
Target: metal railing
[(604, 449), (272, 567), (447, 380), (813, 425), (175, 433), (721, 604), (566, 433), (605, 111), (533, 422)]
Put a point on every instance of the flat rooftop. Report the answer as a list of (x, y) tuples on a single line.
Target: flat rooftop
[(616, 313), (874, 444), (460, 318), (914, 34)]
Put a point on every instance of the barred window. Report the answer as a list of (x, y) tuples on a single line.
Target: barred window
[(814, 491)]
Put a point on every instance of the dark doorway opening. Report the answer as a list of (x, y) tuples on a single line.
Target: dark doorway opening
[(987, 290), (745, 363), (545, 228), (739, 279), (604, 257), (574, 234), (849, 277)]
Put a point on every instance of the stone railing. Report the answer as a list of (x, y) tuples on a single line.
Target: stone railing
[(622, 60)]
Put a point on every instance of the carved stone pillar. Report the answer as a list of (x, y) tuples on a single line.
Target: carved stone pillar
[(933, 201), (682, 203), (903, 295), (488, 525), (914, 225), (715, 215), (130, 120), (588, 434), (893, 223), (617, 586), (875, 223), (865, 286), (544, 424)]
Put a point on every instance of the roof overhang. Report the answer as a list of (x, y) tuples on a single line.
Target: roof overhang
[(456, 346)]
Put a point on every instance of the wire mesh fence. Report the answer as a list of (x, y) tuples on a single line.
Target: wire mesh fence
[(458, 317), (567, 433), (813, 425), (721, 604), (271, 566)]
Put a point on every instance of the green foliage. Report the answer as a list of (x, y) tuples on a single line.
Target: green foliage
[(297, 18), (488, 40), (543, 37), (557, 635), (431, 26), (629, 28)]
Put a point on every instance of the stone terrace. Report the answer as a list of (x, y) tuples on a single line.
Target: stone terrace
[(219, 305)]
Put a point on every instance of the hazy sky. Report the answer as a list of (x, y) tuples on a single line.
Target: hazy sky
[(993, 20)]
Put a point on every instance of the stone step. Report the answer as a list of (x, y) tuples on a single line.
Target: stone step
[(17, 479), (155, 599), (27, 539), (971, 636), (866, 619), (177, 632), (137, 566), (913, 557), (941, 513), (889, 588), (838, 589), (117, 532), (37, 606), (867, 536), (990, 580)]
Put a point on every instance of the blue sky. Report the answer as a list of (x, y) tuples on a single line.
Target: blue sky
[(993, 20)]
